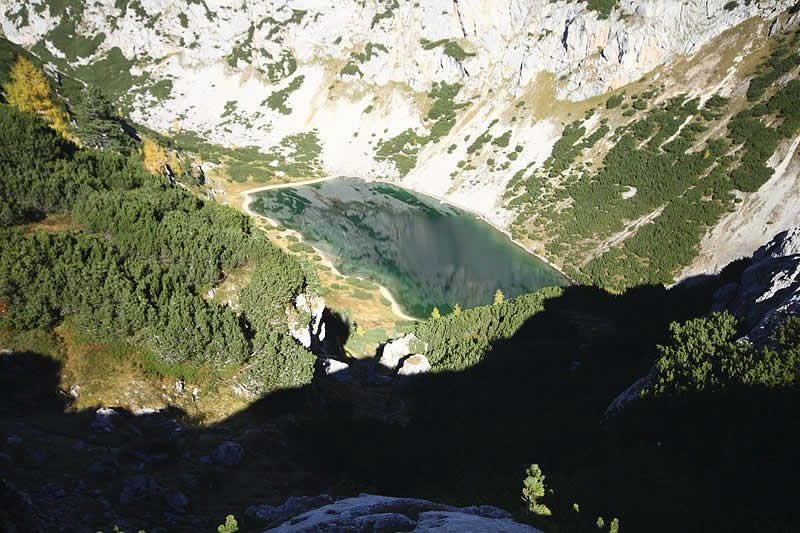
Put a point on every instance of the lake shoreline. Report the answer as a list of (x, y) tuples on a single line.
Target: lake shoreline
[(494, 225), (397, 309), (248, 196)]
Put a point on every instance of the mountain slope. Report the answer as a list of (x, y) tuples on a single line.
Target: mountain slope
[(465, 100)]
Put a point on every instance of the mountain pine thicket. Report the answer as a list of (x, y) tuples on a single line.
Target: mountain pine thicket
[(138, 260)]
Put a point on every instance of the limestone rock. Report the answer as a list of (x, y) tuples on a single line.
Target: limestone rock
[(631, 394), (416, 364), (384, 514), (295, 505), (769, 289), (336, 369), (395, 350), (332, 366), (305, 320)]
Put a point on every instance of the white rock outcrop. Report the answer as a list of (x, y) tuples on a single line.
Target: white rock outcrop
[(415, 364), (305, 320), (395, 350)]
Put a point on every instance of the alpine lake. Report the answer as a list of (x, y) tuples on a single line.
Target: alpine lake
[(428, 254)]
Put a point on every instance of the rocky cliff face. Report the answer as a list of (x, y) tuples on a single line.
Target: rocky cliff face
[(769, 289)]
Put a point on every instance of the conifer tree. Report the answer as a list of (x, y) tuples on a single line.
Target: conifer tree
[(533, 489), (98, 124)]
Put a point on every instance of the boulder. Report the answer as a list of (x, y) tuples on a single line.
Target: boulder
[(332, 366), (228, 453), (384, 514), (394, 351), (104, 420), (138, 489), (416, 364), (336, 370)]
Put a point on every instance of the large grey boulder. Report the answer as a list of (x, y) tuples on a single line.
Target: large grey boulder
[(228, 453), (104, 420), (769, 289), (370, 513)]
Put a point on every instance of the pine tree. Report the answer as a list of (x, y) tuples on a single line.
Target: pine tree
[(98, 124), (30, 91), (533, 488), (230, 525), (435, 313), (456, 309)]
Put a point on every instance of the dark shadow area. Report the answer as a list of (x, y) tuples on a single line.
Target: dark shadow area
[(337, 333), (714, 462)]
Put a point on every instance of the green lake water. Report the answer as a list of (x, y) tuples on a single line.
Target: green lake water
[(427, 253)]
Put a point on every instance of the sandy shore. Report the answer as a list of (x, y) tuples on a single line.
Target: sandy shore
[(247, 199)]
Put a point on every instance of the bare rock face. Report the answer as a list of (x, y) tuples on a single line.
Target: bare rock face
[(416, 364), (769, 289), (369, 513)]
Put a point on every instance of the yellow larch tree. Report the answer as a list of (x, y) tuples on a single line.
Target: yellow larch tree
[(28, 90), (154, 155)]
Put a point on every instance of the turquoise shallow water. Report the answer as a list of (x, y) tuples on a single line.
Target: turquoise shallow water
[(426, 253)]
